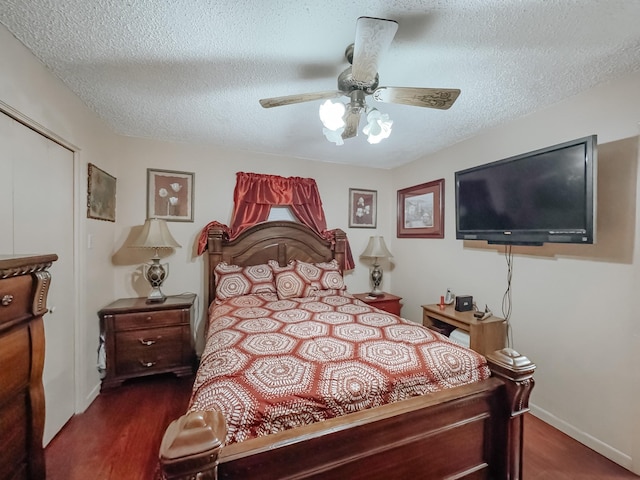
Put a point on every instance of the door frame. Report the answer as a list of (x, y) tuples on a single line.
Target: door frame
[(80, 402)]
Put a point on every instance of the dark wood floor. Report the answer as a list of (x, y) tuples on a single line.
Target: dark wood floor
[(119, 435), (550, 454)]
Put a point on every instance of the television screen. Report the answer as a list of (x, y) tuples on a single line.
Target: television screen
[(543, 196)]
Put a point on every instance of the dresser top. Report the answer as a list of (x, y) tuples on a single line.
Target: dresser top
[(12, 265), (25, 259)]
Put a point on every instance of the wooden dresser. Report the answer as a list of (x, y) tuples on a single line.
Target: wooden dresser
[(24, 284)]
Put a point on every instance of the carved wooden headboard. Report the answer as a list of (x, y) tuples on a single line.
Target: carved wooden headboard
[(282, 241)]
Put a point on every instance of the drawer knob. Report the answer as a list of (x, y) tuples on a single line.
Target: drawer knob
[(146, 342), (147, 364), (6, 300)]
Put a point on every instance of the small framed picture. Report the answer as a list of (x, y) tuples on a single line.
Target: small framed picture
[(170, 195), (421, 211), (101, 195), (362, 208)]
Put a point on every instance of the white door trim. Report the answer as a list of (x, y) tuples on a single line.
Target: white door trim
[(81, 403)]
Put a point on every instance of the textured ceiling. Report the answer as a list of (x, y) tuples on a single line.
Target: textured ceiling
[(193, 71)]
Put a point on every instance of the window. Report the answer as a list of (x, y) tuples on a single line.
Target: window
[(281, 212)]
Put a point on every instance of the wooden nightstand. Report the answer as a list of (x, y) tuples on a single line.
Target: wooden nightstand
[(485, 336), (147, 338), (387, 302)]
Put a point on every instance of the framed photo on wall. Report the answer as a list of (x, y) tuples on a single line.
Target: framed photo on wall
[(101, 195), (362, 208), (170, 195), (421, 211)]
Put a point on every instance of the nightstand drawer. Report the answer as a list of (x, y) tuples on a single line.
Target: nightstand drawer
[(15, 298), (148, 350), (128, 321)]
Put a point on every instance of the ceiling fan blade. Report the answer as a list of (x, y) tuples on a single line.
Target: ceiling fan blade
[(300, 98), (351, 120), (373, 37), (441, 98)]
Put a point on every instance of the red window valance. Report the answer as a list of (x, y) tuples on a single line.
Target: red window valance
[(256, 193)]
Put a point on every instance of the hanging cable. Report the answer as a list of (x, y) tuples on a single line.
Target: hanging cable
[(506, 298)]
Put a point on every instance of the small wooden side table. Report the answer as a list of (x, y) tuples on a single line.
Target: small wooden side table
[(147, 338), (485, 336), (387, 302)]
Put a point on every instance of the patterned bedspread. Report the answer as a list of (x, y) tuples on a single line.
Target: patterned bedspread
[(271, 365)]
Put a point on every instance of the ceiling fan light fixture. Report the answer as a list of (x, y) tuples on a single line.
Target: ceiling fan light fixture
[(342, 120), (378, 126), (334, 136), (331, 115)]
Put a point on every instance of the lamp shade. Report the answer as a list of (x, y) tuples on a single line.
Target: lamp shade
[(376, 248), (155, 234)]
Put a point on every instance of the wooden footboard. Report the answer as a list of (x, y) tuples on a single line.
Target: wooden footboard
[(474, 431)]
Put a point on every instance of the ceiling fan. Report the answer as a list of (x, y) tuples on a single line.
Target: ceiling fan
[(373, 37)]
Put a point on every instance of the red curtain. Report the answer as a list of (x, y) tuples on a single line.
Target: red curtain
[(256, 193)]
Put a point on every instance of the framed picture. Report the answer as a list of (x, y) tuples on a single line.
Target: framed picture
[(101, 195), (421, 211), (170, 195), (362, 208)]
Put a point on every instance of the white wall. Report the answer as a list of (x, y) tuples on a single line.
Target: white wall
[(574, 307), (635, 340)]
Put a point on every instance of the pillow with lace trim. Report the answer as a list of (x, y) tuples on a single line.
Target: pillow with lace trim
[(234, 280), (301, 279)]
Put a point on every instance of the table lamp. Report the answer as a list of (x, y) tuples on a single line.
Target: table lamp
[(155, 234), (376, 249)]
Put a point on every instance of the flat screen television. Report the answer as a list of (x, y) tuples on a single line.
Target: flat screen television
[(544, 196)]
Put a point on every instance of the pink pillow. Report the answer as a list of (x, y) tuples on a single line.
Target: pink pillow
[(234, 281)]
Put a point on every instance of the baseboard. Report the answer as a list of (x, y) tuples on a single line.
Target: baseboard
[(93, 394), (593, 443)]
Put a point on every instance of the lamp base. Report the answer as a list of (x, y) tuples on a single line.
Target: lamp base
[(156, 296), (376, 279), (156, 274)]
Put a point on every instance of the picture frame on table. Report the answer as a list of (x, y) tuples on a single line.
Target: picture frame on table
[(101, 194), (363, 208), (170, 195), (421, 210)]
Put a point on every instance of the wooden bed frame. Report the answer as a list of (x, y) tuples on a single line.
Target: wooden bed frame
[(474, 431)]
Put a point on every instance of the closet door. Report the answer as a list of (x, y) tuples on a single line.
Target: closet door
[(43, 217)]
